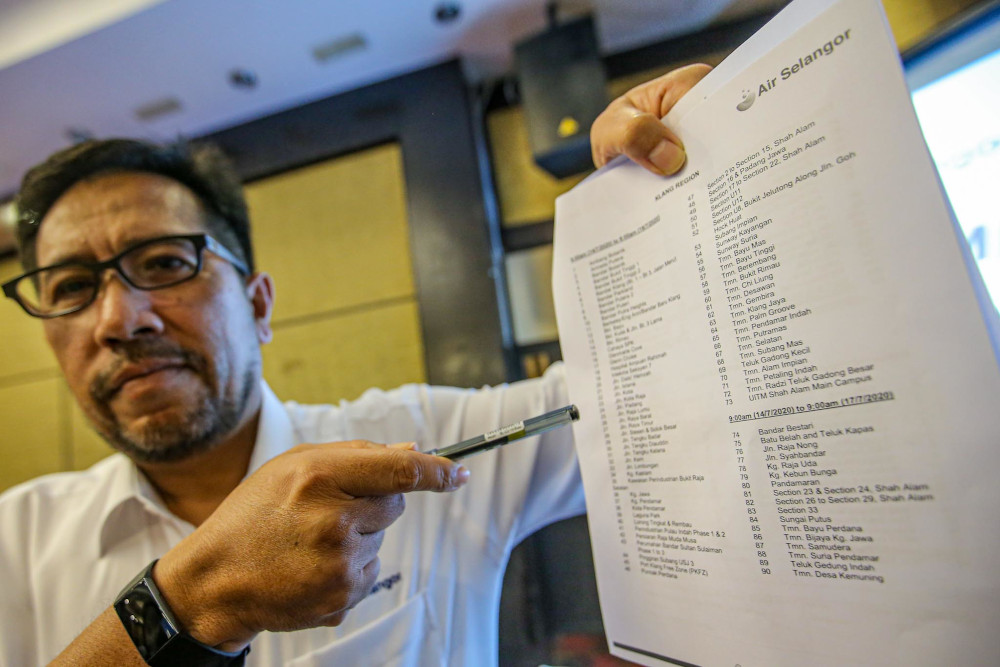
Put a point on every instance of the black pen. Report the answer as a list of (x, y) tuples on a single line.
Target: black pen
[(501, 436)]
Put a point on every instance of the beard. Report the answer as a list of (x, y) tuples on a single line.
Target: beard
[(180, 433)]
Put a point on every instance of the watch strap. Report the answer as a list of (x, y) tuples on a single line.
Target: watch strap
[(156, 633)]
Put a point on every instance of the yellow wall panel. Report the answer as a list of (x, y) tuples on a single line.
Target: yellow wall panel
[(32, 443), (527, 192), (912, 20), (23, 349), (339, 357), (335, 234), (529, 284), (86, 447)]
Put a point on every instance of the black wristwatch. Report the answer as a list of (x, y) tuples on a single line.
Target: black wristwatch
[(156, 633)]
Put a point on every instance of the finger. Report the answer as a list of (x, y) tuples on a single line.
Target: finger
[(367, 547), (369, 575), (344, 445), (372, 514), (669, 92), (363, 444), (333, 620), (651, 144), (365, 582), (388, 471), (631, 124), (404, 445), (623, 129)]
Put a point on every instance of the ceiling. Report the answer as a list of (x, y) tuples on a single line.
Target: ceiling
[(76, 68)]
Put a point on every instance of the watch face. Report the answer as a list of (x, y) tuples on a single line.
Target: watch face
[(146, 625), (153, 630)]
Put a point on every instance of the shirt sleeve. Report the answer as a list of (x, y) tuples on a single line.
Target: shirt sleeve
[(521, 487)]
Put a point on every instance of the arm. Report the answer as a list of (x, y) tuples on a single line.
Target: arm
[(315, 514), (528, 485), (519, 487)]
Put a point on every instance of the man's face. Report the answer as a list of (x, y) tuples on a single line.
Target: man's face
[(161, 374)]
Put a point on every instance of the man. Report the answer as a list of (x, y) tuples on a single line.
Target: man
[(155, 313)]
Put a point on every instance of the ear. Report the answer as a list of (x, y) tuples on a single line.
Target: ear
[(260, 291)]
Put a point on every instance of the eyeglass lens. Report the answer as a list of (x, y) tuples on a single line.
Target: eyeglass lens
[(148, 266)]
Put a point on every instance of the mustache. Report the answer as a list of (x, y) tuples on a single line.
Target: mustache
[(102, 387)]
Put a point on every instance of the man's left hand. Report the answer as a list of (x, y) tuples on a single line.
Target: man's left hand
[(631, 124)]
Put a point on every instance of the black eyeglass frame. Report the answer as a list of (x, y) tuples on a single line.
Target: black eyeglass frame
[(200, 242)]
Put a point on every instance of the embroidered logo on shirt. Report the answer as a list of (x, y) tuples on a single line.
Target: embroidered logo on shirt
[(387, 583)]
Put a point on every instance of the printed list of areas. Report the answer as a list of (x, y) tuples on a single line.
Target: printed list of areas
[(797, 450)]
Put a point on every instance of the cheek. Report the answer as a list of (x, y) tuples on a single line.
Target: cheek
[(228, 328), (206, 308), (69, 343)]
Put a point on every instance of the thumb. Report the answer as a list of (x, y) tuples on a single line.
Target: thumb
[(631, 125)]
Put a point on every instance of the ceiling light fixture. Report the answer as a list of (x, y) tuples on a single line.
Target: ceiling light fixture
[(242, 78), (157, 108), (447, 12), (341, 46)]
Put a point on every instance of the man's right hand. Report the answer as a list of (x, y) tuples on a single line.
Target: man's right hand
[(296, 544)]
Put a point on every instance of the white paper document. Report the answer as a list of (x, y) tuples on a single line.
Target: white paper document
[(790, 399)]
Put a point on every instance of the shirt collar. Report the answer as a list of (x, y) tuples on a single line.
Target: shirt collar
[(131, 502), (128, 498), (275, 433)]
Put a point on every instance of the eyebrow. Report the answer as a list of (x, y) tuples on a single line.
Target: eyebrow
[(82, 258), (67, 259)]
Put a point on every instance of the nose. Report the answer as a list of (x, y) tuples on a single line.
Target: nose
[(124, 313)]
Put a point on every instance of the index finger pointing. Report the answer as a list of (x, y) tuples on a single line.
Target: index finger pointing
[(388, 471)]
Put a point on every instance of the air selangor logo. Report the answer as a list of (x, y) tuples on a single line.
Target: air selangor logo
[(822, 52)]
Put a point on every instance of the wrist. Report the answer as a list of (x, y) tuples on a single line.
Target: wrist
[(200, 612), (157, 635)]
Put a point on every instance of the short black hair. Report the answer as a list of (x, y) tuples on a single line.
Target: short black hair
[(201, 167)]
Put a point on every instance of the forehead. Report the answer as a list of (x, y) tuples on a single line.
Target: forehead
[(100, 216)]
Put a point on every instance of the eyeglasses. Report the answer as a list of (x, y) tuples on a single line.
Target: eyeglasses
[(67, 287)]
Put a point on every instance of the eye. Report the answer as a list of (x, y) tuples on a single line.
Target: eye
[(161, 265), (165, 262), (70, 288)]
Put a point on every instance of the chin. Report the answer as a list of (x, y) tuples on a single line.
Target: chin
[(164, 441), (178, 430), (174, 434)]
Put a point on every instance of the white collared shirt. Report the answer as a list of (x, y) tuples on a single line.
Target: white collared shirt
[(70, 542)]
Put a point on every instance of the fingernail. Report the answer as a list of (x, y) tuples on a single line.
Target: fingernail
[(668, 157), (461, 476), (403, 445)]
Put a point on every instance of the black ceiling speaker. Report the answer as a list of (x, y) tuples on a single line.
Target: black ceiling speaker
[(563, 89)]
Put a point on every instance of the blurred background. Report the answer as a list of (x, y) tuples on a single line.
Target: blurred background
[(401, 159)]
